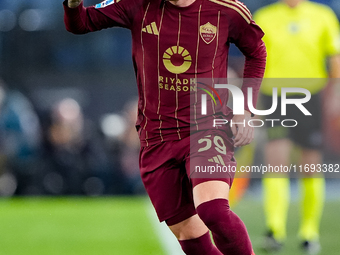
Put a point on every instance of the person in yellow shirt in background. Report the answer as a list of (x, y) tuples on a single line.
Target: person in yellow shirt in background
[(302, 40)]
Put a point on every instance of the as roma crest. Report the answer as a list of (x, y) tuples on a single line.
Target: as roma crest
[(208, 32)]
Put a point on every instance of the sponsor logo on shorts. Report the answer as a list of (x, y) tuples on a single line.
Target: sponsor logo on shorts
[(217, 159)]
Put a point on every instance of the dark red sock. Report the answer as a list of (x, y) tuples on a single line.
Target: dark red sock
[(199, 246), (229, 232)]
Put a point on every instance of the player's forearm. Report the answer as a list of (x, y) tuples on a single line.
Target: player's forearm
[(75, 17), (255, 63), (254, 68), (81, 20)]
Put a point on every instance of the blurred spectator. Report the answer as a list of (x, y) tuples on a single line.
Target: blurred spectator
[(19, 143), (130, 150), (77, 161)]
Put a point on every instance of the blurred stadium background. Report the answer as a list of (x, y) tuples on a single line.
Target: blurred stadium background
[(69, 180)]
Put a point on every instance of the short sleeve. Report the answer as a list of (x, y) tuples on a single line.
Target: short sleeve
[(331, 39)]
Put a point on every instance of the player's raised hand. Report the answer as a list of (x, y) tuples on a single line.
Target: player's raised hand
[(243, 133), (73, 3)]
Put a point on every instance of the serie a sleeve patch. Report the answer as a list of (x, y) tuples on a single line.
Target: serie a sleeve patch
[(105, 3)]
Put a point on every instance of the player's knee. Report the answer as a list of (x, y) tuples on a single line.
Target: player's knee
[(214, 211), (190, 228)]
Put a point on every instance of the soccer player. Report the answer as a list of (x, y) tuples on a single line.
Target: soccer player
[(300, 37), (174, 44)]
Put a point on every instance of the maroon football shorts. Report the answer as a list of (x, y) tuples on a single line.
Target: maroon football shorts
[(169, 179)]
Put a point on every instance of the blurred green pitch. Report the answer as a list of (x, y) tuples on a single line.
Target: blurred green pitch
[(121, 225), (72, 226)]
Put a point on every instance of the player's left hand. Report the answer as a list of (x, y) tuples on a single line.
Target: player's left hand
[(243, 133)]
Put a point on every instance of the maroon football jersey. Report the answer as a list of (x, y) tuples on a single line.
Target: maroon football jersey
[(173, 47)]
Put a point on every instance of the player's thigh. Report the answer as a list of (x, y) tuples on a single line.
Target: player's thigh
[(274, 128), (308, 132), (210, 190), (277, 152), (212, 164), (166, 182)]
